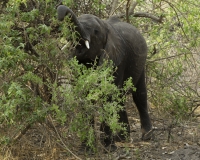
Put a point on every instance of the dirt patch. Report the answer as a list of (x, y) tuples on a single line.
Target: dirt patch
[(172, 141), (186, 153)]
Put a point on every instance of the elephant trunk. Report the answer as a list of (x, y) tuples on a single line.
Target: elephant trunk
[(62, 12)]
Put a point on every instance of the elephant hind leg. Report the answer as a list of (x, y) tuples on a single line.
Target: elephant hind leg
[(140, 99)]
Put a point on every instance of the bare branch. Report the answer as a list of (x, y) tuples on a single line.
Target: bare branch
[(132, 8), (130, 11), (170, 57), (175, 10), (127, 10), (148, 15), (114, 5), (58, 134), (22, 132), (117, 7)]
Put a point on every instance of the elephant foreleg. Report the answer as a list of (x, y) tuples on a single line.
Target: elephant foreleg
[(123, 118)]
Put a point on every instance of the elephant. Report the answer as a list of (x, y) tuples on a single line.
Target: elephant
[(123, 44)]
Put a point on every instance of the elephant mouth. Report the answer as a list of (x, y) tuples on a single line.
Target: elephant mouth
[(81, 48)]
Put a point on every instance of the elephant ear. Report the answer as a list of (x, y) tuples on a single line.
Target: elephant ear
[(114, 49)]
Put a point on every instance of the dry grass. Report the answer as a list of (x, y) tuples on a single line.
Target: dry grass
[(42, 142)]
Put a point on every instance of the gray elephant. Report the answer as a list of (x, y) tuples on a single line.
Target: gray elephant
[(125, 46)]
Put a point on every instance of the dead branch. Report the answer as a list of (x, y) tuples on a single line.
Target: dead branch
[(132, 8), (148, 15), (59, 137), (21, 133), (193, 110), (127, 10), (114, 6), (170, 57), (130, 11), (175, 10), (117, 7)]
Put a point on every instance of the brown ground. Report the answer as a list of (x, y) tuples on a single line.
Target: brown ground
[(172, 141)]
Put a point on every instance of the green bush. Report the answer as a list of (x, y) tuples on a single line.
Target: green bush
[(39, 80)]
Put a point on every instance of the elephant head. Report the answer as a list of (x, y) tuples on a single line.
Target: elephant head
[(62, 12), (92, 31)]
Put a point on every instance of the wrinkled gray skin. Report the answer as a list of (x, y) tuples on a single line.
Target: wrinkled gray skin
[(126, 47)]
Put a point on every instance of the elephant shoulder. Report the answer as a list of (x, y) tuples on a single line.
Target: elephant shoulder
[(114, 49)]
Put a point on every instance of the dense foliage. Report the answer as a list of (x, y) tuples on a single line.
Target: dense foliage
[(39, 82)]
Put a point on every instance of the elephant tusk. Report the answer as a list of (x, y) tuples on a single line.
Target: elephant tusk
[(87, 44)]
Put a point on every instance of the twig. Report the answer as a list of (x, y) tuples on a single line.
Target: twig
[(114, 4), (62, 140), (174, 8), (130, 11), (127, 10), (160, 59), (170, 127), (192, 112), (21, 133), (117, 7)]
